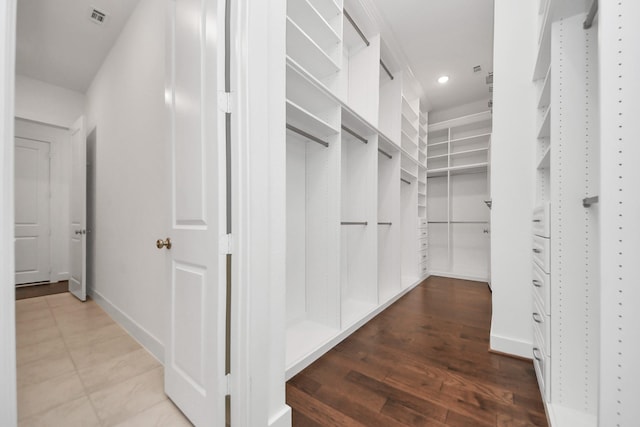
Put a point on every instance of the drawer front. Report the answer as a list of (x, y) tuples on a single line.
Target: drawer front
[(542, 364), (424, 269), (541, 283), (422, 244), (541, 326), (422, 257), (422, 222), (541, 253), (422, 233), (541, 221)]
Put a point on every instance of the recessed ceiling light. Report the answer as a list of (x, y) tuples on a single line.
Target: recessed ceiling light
[(443, 79)]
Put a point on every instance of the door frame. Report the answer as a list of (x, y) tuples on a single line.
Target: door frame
[(8, 393)]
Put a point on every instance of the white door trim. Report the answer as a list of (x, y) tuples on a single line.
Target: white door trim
[(258, 180), (8, 400)]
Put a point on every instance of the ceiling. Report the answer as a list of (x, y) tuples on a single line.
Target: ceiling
[(59, 44), (444, 37)]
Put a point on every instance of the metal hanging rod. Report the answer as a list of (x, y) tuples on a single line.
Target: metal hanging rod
[(354, 223), (355, 135), (384, 223), (591, 15), (458, 222), (307, 135), (384, 67), (405, 181), (385, 153), (355, 26)]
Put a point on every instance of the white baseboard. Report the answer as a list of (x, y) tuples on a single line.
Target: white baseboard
[(140, 334), (459, 276), (511, 346), (282, 418)]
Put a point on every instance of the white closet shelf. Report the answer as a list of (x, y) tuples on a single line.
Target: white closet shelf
[(545, 94), (304, 337), (354, 310), (458, 170), (408, 140), (544, 131), (408, 126), (543, 59), (408, 112), (545, 160), (304, 120), (409, 176), (305, 15), (466, 152), (470, 139), (477, 118), (439, 156), (305, 93), (307, 53), (436, 144), (329, 9)]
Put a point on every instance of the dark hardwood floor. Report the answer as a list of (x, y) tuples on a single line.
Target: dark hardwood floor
[(41, 290), (422, 362)]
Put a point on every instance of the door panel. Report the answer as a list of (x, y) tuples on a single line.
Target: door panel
[(32, 211), (78, 213), (194, 352)]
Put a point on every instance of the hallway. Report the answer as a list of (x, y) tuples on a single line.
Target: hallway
[(421, 362), (77, 367)]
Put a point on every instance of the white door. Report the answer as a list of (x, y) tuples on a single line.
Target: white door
[(195, 340), (32, 205), (78, 212)]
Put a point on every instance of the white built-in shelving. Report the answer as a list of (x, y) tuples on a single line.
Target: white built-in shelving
[(457, 181), (356, 179)]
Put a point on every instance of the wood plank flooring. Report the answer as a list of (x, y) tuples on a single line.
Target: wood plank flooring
[(422, 362)]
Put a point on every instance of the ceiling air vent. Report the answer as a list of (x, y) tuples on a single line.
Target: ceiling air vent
[(477, 69), (97, 16)]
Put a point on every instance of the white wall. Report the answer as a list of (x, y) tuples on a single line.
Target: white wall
[(458, 111), (126, 104), (512, 179), (46, 103), (60, 184)]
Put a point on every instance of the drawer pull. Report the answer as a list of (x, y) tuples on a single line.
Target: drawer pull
[(537, 251), (536, 283), (537, 220), (537, 318), (537, 356)]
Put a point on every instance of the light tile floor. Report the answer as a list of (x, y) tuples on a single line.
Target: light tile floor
[(77, 367)]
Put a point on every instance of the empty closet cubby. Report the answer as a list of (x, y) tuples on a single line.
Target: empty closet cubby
[(313, 215), (358, 231), (389, 224)]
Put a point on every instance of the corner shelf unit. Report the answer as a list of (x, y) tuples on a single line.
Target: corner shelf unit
[(356, 191), (457, 186)]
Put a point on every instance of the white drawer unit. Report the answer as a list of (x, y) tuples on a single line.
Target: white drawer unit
[(541, 326), (541, 253), (422, 222), (541, 221), (542, 365), (541, 283), (424, 268)]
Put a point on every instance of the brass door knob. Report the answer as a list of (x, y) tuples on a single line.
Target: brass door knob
[(166, 243)]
